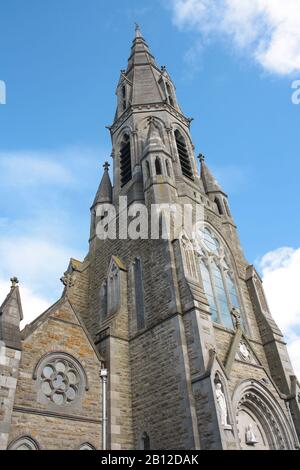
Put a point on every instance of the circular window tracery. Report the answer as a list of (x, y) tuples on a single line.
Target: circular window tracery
[(60, 381)]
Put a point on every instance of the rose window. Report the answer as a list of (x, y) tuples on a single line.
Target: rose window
[(60, 382)]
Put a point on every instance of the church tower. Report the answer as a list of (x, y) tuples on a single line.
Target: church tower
[(195, 359)]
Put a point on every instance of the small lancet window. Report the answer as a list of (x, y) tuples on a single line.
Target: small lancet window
[(139, 294), (148, 169), (125, 160), (124, 97), (169, 92), (168, 169), (145, 441), (158, 166), (183, 156), (219, 206)]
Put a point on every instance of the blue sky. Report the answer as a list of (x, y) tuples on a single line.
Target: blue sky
[(60, 61)]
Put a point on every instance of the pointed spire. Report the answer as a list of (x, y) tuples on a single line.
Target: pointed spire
[(11, 314), (210, 183), (142, 72), (138, 33), (104, 193)]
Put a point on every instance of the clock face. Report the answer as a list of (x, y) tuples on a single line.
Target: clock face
[(208, 240)]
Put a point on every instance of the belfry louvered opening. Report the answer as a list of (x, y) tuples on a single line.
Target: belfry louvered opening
[(183, 156), (125, 160)]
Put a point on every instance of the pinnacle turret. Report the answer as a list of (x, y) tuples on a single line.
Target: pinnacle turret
[(11, 314), (104, 193), (210, 183)]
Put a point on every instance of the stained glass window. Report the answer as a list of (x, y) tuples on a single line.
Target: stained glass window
[(218, 279)]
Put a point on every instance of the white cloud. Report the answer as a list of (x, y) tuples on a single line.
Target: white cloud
[(38, 264), (30, 168), (281, 275), (38, 233), (32, 304), (269, 30)]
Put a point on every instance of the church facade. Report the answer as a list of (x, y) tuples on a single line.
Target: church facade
[(181, 323)]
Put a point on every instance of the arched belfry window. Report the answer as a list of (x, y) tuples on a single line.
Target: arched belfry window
[(218, 278), (125, 160), (183, 156)]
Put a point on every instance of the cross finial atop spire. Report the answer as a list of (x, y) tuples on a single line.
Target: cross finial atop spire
[(106, 166), (138, 33), (201, 157), (14, 281)]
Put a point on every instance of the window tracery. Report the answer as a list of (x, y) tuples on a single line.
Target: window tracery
[(218, 278)]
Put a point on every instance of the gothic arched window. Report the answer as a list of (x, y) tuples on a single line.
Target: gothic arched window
[(23, 443), (183, 156), (125, 160), (86, 446), (218, 278)]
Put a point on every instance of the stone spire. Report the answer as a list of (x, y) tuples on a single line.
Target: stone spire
[(210, 183), (138, 33), (11, 314), (104, 193), (142, 73)]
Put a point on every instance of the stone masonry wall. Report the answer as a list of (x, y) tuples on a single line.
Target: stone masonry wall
[(58, 427), (9, 365)]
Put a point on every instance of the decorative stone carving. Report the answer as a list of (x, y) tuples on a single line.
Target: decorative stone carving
[(113, 289), (244, 351), (221, 400), (250, 437), (68, 280), (236, 318)]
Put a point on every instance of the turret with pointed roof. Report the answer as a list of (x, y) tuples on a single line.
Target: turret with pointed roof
[(104, 193), (11, 315), (210, 183)]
